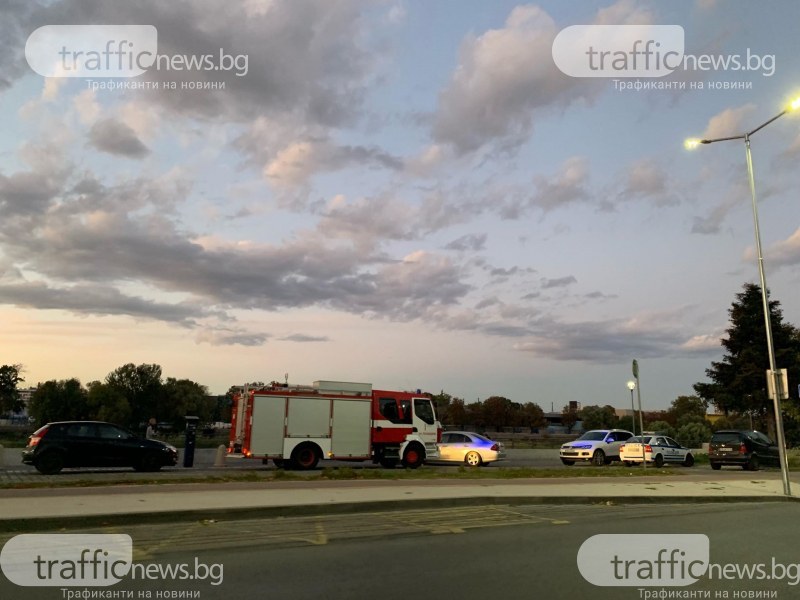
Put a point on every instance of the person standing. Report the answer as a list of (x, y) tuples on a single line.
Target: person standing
[(151, 429)]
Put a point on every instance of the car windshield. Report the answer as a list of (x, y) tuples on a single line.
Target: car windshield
[(634, 440), (593, 436)]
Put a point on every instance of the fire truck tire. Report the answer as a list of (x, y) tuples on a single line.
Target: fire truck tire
[(278, 462), (414, 456), (305, 457)]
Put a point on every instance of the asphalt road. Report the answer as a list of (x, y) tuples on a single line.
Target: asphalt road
[(492, 552)]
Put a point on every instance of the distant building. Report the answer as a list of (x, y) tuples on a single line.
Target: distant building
[(21, 417)]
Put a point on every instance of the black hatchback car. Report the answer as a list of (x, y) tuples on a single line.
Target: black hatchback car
[(94, 444), (747, 449)]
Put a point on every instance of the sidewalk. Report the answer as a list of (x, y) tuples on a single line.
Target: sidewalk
[(61, 507)]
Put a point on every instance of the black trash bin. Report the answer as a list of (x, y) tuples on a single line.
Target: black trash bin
[(191, 440)]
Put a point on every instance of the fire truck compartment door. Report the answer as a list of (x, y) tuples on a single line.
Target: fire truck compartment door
[(351, 428), (266, 437), (309, 418)]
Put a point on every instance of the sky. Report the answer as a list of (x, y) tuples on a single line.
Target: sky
[(406, 193)]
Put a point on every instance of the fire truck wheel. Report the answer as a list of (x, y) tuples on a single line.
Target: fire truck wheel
[(305, 457), (278, 462), (414, 456)]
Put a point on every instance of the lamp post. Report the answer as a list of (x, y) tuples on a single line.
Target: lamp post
[(638, 386), (773, 371), (631, 387)]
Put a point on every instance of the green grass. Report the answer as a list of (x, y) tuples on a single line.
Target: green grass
[(348, 473)]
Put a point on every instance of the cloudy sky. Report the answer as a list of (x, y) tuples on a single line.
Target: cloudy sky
[(408, 193)]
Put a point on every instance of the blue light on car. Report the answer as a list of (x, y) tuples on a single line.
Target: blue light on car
[(582, 446)]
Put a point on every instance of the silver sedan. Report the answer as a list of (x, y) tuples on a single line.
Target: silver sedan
[(470, 448)]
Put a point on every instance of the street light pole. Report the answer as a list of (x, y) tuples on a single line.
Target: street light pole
[(776, 380), (637, 385), (631, 387)]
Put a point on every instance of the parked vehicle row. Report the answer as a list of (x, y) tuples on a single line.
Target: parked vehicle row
[(97, 444), (56, 446)]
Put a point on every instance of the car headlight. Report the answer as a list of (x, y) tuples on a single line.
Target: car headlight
[(582, 446), (171, 448)]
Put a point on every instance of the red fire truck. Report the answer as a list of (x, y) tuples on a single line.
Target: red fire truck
[(298, 426)]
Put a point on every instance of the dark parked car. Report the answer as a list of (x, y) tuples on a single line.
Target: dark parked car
[(94, 444), (747, 449)]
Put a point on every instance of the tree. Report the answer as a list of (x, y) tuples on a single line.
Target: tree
[(497, 411), (107, 403), (181, 397), (569, 416), (685, 408), (442, 403), (597, 417), (693, 435), (10, 401), (738, 381), (457, 413), (141, 387), (533, 416), (63, 400), (662, 427)]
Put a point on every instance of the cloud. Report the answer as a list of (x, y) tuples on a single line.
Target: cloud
[(729, 122), (609, 341), (216, 337), (114, 137), (91, 299), (302, 338), (298, 162), (645, 179), (304, 58), (567, 186), (781, 254), (559, 282), (500, 79), (469, 242)]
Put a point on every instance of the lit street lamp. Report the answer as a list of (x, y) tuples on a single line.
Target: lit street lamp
[(631, 387), (776, 380)]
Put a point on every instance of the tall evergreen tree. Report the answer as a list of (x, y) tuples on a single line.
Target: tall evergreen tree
[(738, 381)]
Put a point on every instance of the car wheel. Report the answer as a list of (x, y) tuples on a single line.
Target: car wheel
[(659, 461), (688, 461), (50, 463), (716, 466), (305, 457), (149, 463), (569, 463), (599, 458), (414, 456), (473, 459), (752, 464)]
